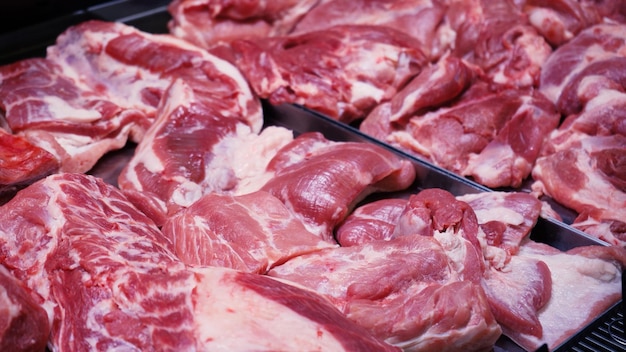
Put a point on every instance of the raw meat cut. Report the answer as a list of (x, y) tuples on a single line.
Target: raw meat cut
[(582, 166), (22, 163), (24, 323), (343, 71), (497, 37), (52, 111), (465, 126), (403, 290), (594, 53), (321, 181), (585, 282), (251, 233), (129, 291), (210, 22), (506, 218), (371, 221), (188, 151), (560, 21), (419, 18)]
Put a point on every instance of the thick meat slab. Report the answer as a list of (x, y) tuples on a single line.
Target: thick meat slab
[(55, 112), (585, 282), (458, 122), (129, 291), (582, 166), (22, 163), (404, 290), (251, 232), (343, 71), (24, 323), (197, 145), (372, 221), (419, 18), (210, 22), (321, 181)]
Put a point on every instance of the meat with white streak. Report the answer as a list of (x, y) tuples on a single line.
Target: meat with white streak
[(595, 52), (402, 290), (210, 22), (74, 123), (419, 18), (22, 163), (24, 323), (188, 151), (585, 282), (497, 37), (129, 291), (321, 181), (457, 122), (342, 71), (372, 221), (250, 233)]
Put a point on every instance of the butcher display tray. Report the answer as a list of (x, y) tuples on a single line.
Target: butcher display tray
[(604, 334)]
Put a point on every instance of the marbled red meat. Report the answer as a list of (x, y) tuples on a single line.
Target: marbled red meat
[(595, 52), (24, 323), (404, 290), (492, 135), (188, 151), (583, 165), (497, 37), (251, 233), (343, 71), (419, 18), (22, 163), (321, 181), (209, 22), (53, 111), (129, 291), (560, 21)]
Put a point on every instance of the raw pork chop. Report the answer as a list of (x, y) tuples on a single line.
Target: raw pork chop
[(209, 22), (53, 111), (419, 18), (342, 71), (24, 323), (560, 21), (492, 135), (22, 163), (596, 52), (321, 181), (129, 291), (583, 166), (190, 149), (585, 282), (497, 37), (403, 290), (250, 233)]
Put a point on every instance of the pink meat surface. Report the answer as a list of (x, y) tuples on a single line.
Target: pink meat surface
[(403, 290), (585, 282), (53, 111), (342, 71), (209, 22), (321, 181), (372, 221), (419, 18), (190, 150), (251, 233), (22, 163), (128, 289), (24, 323)]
